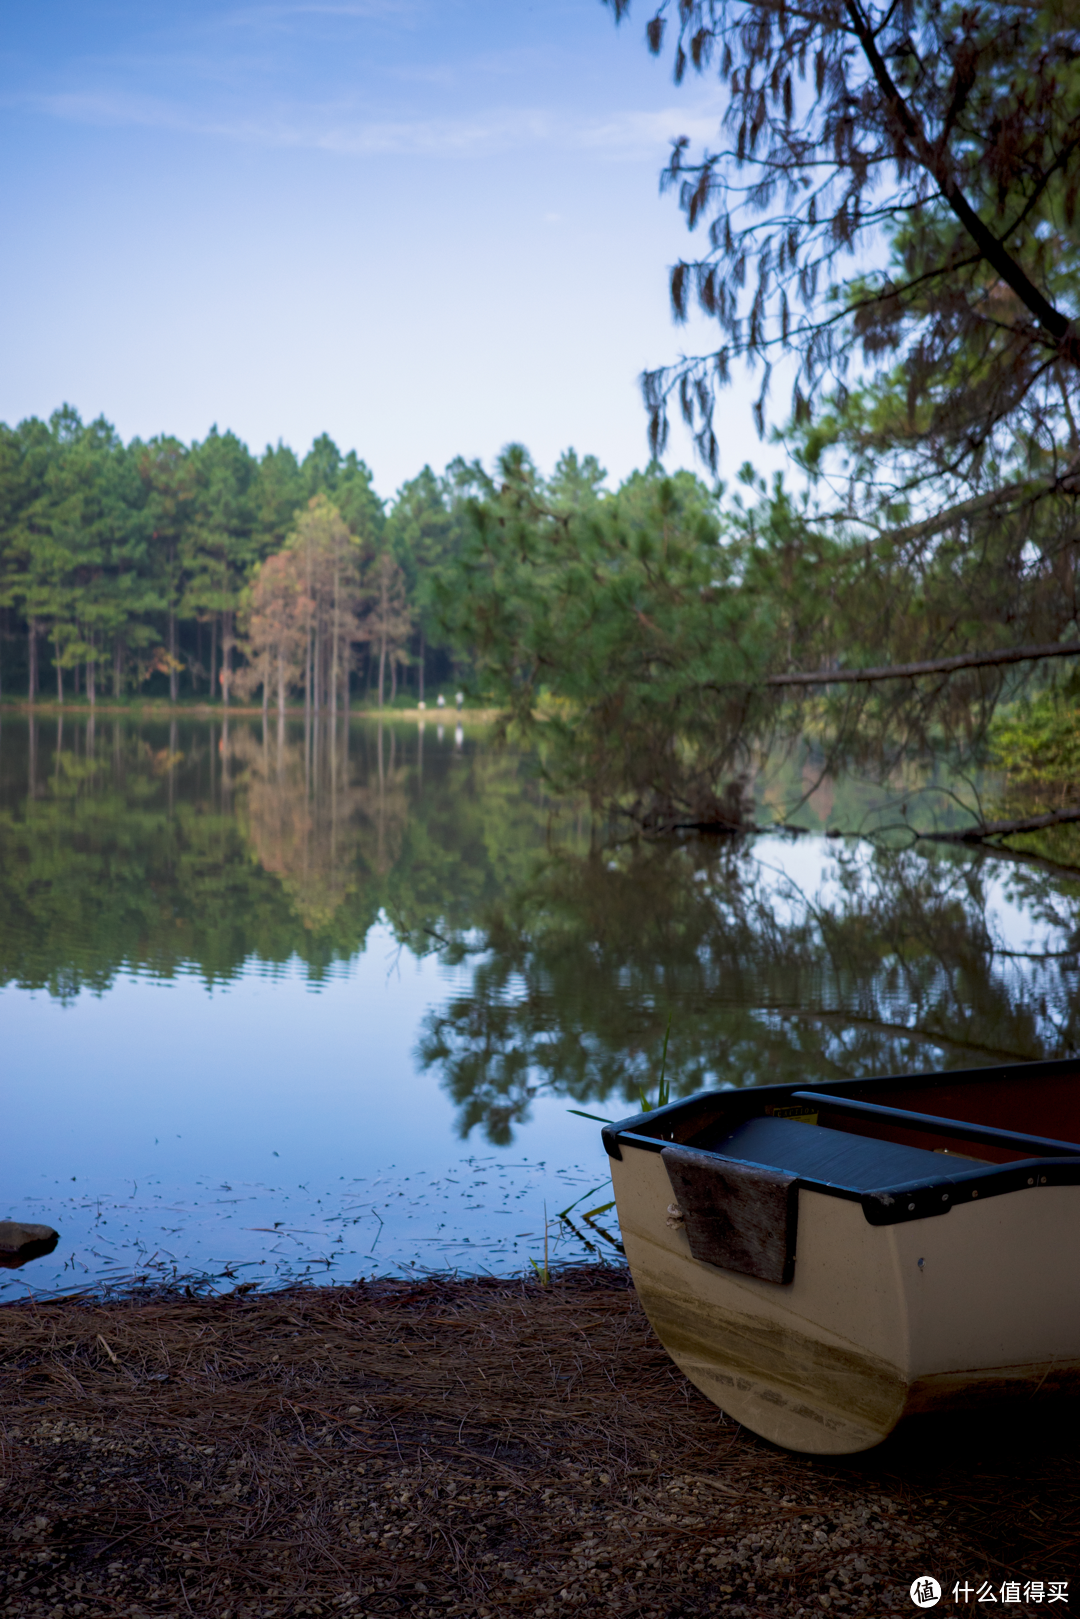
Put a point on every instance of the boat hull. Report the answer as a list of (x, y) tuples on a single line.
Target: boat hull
[(879, 1322)]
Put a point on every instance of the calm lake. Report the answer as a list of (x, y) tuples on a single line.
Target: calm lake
[(287, 1005)]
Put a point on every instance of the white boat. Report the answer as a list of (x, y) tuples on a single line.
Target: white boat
[(823, 1261)]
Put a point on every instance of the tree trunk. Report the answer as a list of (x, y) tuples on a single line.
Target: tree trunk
[(59, 674), (393, 680), (382, 667), (91, 678), (334, 656), (32, 650), (346, 675), (213, 657), (118, 655), (174, 673), (420, 666), (226, 655), (281, 688), (307, 683)]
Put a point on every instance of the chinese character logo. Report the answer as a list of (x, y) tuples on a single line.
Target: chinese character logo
[(925, 1591), (1033, 1591)]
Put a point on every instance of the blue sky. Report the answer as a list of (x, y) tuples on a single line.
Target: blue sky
[(425, 228)]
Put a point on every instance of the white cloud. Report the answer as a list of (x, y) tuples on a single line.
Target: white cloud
[(345, 130)]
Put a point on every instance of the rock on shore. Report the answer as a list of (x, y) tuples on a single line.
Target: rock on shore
[(20, 1243)]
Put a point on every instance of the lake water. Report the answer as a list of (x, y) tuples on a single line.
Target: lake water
[(280, 1006)]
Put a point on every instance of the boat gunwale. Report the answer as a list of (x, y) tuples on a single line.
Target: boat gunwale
[(893, 1203)]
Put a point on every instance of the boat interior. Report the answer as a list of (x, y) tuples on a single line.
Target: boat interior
[(868, 1134)]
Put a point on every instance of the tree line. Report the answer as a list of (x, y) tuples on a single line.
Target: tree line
[(205, 571), (650, 640)]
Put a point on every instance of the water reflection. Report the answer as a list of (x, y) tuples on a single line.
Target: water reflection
[(314, 817), (776, 960), (190, 845), (550, 964)]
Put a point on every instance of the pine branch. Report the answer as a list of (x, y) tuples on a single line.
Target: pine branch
[(932, 158), (929, 666)]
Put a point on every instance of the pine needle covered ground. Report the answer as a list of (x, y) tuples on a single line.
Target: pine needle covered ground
[(479, 1447)]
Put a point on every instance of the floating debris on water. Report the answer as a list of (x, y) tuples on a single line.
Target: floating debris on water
[(480, 1214)]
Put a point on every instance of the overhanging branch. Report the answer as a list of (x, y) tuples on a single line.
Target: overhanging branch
[(929, 666), (1003, 829)]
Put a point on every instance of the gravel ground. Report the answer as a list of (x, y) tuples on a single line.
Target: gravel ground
[(476, 1447)]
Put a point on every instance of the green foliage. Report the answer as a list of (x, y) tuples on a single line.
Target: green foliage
[(633, 636), (134, 560), (954, 453), (926, 175), (280, 492), (902, 226), (348, 481), (629, 635), (1038, 741), (422, 534), (611, 629)]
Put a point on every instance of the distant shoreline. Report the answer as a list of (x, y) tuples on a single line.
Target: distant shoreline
[(159, 708)]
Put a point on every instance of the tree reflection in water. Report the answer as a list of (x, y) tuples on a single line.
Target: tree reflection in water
[(318, 818), (183, 846), (187, 845), (877, 961)]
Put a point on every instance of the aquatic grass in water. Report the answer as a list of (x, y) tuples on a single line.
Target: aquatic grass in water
[(662, 1100), (543, 1276), (663, 1093)]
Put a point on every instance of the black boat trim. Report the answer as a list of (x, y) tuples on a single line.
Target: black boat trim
[(687, 1120), (918, 1200)]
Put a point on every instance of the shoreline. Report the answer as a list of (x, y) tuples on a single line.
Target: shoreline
[(475, 1448), (154, 708)]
